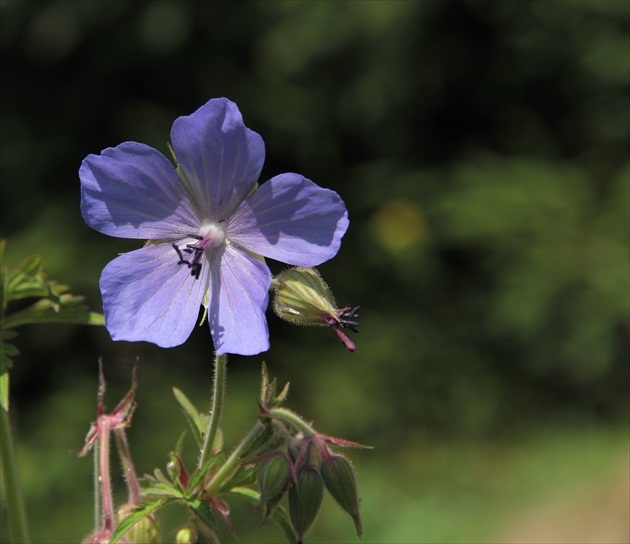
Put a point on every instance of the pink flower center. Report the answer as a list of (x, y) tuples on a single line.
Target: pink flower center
[(212, 235)]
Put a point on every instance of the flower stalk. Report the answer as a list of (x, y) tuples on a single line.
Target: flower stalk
[(216, 408), (107, 500)]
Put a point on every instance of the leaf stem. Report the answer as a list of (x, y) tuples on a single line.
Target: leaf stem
[(216, 408), (17, 513), (231, 463)]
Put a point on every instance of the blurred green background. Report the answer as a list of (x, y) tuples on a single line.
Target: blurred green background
[(481, 148)]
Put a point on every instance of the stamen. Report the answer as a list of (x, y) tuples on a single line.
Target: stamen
[(197, 253), (211, 236), (346, 317)]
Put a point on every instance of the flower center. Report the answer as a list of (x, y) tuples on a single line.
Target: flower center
[(211, 235)]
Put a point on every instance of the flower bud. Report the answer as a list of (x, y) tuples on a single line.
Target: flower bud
[(305, 499), (146, 530), (273, 478), (185, 536), (303, 298), (340, 480)]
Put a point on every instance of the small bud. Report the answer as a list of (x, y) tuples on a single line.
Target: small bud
[(340, 479), (303, 298), (274, 474), (146, 530), (185, 536), (305, 499)]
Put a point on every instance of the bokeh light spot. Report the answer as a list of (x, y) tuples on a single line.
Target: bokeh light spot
[(399, 225)]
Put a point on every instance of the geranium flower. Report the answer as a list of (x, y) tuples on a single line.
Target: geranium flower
[(208, 226)]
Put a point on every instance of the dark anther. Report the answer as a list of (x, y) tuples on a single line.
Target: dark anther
[(195, 263), (347, 317)]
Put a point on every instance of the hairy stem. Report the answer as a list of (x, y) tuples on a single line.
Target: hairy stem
[(133, 487), (107, 500), (293, 419), (218, 398)]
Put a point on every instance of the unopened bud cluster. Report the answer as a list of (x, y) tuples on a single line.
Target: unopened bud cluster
[(302, 468)]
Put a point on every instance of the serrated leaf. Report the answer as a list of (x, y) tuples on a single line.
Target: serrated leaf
[(161, 489), (195, 420), (159, 477), (27, 279), (142, 512), (70, 310), (279, 514)]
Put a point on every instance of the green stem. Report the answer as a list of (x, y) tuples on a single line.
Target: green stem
[(17, 513), (293, 419), (231, 464), (218, 397)]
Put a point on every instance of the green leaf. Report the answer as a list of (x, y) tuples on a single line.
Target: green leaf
[(69, 309), (279, 514), (145, 509), (195, 420), (160, 478), (27, 279), (202, 509), (198, 476), (161, 489)]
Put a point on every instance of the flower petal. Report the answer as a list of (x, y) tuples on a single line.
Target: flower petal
[(133, 191), (239, 297), (290, 219), (220, 158), (148, 296)]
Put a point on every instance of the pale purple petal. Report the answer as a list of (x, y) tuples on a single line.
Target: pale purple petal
[(238, 300), (148, 296), (220, 158), (133, 191), (292, 220)]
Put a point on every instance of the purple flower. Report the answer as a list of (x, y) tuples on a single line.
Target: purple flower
[(208, 226)]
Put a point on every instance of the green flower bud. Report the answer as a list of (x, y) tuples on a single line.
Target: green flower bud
[(273, 478), (185, 536), (303, 298), (340, 479), (305, 499), (147, 530)]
